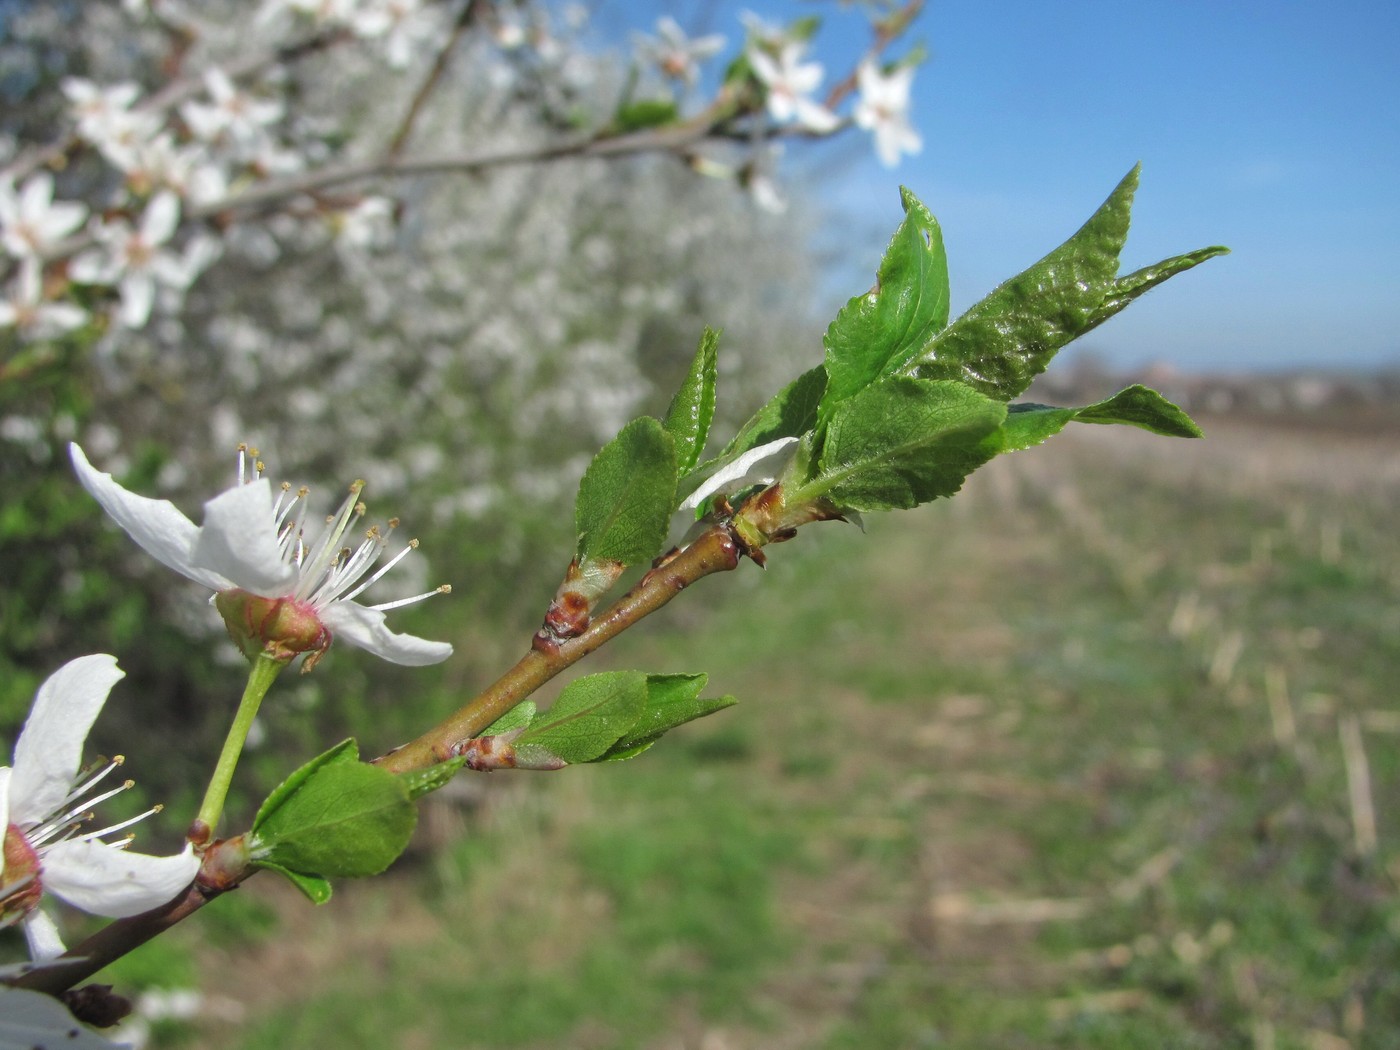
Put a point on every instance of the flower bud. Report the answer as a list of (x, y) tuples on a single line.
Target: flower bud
[(281, 628), (21, 864)]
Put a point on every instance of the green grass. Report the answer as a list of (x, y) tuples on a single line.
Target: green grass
[(1056, 764)]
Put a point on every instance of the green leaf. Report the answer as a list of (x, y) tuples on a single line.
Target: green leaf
[(693, 408), (648, 113), (590, 716), (789, 413), (1127, 288), (1007, 339), (627, 494), (672, 700), (522, 714), (345, 751), (1141, 406), (422, 781), (877, 333), (901, 442), (334, 816), (1028, 424), (316, 888)]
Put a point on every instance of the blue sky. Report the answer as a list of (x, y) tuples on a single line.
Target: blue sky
[(1273, 128)]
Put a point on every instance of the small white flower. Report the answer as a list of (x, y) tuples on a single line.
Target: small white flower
[(31, 222), (763, 32), (676, 54), (133, 259), (106, 119), (188, 171), (27, 311), (884, 110), (43, 808), (233, 117), (367, 224), (405, 26), (253, 543), (748, 469), (790, 83)]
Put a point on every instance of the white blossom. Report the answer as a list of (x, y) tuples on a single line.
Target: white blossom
[(753, 467), (884, 110), (367, 224), (26, 309), (106, 119), (133, 259), (44, 803), (32, 223), (790, 83), (677, 55), (232, 117), (404, 26), (188, 171), (263, 545)]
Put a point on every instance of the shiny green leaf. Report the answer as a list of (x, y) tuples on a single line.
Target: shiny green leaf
[(693, 408), (626, 497), (879, 332), (334, 816), (1004, 341), (590, 716), (672, 700), (901, 442)]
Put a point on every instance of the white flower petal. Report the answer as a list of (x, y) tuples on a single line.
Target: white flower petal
[(364, 627), (155, 524), (161, 217), (33, 1019), (93, 267), (42, 934), (238, 541), (138, 292), (739, 473), (4, 814), (49, 750), (105, 880)]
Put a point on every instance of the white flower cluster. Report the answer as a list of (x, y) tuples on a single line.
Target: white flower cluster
[(179, 154)]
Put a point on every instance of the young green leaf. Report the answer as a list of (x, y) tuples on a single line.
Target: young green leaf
[(334, 816), (590, 716), (627, 495), (901, 442), (1127, 288), (315, 888), (789, 413), (647, 113), (345, 751), (522, 714), (877, 333), (422, 781), (1007, 339), (693, 408), (1028, 424), (672, 700)]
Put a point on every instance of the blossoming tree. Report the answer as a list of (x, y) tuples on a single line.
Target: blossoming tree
[(157, 212)]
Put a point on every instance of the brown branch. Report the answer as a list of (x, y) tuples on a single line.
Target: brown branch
[(716, 550), (886, 32), (431, 81), (673, 137), (217, 875)]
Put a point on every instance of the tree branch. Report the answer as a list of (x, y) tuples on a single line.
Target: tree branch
[(716, 550)]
